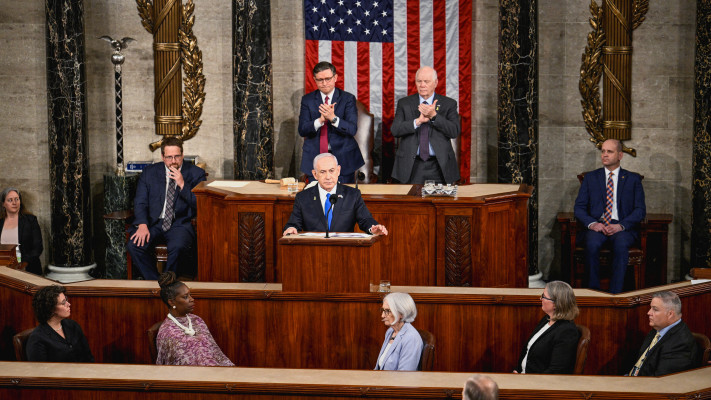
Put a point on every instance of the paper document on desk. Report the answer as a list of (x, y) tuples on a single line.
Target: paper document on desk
[(229, 184), (350, 235), (313, 234)]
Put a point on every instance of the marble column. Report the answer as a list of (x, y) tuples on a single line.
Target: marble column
[(701, 189), (252, 89), (70, 196), (518, 106), (119, 192)]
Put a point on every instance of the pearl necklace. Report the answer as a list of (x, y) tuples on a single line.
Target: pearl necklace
[(187, 329)]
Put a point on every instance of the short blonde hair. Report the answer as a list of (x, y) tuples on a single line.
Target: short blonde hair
[(566, 308), (402, 306)]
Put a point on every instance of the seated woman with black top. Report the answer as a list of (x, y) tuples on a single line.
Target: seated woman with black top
[(552, 347), (18, 227), (56, 338)]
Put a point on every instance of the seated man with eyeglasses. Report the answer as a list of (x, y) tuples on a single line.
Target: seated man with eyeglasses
[(164, 207), (328, 122)]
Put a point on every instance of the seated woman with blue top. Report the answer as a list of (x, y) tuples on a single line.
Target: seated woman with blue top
[(402, 347)]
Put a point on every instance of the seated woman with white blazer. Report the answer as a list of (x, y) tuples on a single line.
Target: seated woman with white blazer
[(402, 347)]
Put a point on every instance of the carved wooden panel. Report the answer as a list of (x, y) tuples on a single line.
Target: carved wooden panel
[(252, 247), (458, 251)]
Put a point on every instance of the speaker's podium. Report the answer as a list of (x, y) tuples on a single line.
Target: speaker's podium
[(342, 263)]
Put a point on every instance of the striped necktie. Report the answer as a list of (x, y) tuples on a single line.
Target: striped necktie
[(607, 216), (169, 206)]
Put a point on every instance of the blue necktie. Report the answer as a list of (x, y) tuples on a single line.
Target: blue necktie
[(326, 206)]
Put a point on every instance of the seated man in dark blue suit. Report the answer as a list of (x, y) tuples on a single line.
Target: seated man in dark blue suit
[(310, 206), (164, 207), (328, 123), (669, 347), (610, 204)]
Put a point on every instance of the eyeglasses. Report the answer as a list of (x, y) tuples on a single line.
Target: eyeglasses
[(64, 302), (171, 158), (544, 297), (385, 311), (324, 80)]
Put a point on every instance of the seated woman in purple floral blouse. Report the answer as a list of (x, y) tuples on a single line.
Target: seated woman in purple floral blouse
[(183, 338)]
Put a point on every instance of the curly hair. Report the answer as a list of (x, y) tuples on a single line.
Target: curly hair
[(45, 300), (169, 285)]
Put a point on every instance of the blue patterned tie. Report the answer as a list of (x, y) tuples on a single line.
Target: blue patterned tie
[(169, 206), (328, 213)]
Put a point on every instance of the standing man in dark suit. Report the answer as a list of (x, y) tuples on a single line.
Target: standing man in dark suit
[(669, 347), (164, 207), (328, 123), (426, 122), (610, 204), (311, 205)]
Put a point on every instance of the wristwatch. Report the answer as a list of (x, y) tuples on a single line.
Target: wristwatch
[(433, 118), (334, 120)]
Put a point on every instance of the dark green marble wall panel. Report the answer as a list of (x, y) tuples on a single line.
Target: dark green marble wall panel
[(252, 89), (518, 106), (119, 192), (70, 196), (701, 186)]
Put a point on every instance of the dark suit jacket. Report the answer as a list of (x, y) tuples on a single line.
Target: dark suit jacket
[(590, 203), (554, 352), (150, 195), (343, 144), (676, 351), (44, 344), (445, 127), (30, 237), (308, 214)]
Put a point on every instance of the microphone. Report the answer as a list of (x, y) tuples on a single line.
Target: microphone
[(333, 201), (359, 176)]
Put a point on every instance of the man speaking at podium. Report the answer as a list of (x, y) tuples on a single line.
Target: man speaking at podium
[(343, 204)]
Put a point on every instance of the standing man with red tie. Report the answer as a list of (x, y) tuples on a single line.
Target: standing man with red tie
[(328, 123), (610, 204), (425, 123)]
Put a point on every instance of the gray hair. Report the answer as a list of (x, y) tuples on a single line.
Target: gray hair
[(671, 301), (402, 307), (480, 387), (324, 155), (434, 72)]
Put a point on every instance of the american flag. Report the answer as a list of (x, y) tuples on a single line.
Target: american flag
[(377, 46)]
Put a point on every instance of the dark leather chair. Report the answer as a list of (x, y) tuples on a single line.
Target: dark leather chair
[(581, 354), (637, 259), (152, 335), (19, 341), (428, 349), (704, 346)]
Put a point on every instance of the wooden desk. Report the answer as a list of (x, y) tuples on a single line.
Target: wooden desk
[(656, 227), (478, 239), (30, 381), (259, 325), (330, 265)]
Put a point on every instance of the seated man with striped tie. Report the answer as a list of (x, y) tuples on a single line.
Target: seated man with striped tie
[(164, 207), (344, 211), (610, 204), (425, 123), (669, 347), (328, 123)]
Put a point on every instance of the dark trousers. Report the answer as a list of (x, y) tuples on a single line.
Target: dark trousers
[(426, 171), (621, 243), (178, 239)]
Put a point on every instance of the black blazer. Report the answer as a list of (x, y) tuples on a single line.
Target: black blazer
[(676, 351), (308, 214), (30, 238), (44, 344), (554, 352), (445, 127)]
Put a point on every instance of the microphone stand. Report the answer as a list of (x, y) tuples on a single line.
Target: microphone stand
[(333, 201)]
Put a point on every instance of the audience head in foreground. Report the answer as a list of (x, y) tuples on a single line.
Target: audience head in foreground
[(669, 347), (552, 347), (330, 206), (183, 338), (57, 338), (402, 347), (480, 387), (19, 227)]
